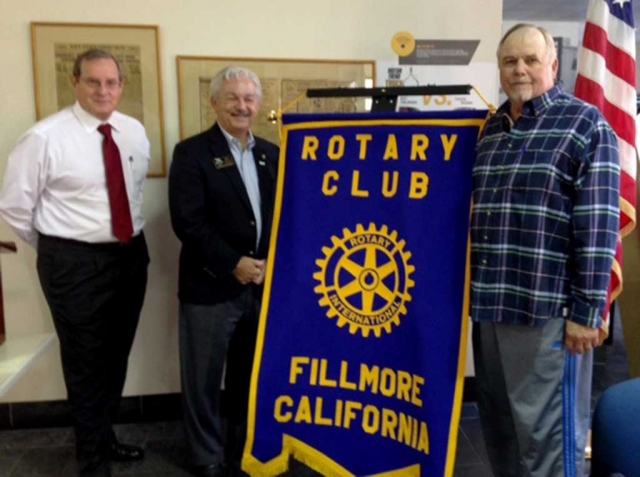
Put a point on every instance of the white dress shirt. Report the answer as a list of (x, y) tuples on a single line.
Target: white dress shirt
[(55, 181), (246, 165)]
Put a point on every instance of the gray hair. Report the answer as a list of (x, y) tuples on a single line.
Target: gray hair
[(233, 72), (552, 54), (91, 55)]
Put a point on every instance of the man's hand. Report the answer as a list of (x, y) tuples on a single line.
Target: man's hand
[(579, 338), (248, 270), (263, 272)]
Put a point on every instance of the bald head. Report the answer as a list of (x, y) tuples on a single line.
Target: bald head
[(528, 65), (552, 53)]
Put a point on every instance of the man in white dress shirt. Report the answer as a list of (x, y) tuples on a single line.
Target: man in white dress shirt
[(73, 191)]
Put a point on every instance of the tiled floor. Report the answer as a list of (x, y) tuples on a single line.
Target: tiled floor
[(50, 452)]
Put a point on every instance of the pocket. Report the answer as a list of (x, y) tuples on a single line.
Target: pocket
[(68, 284), (139, 167), (539, 177)]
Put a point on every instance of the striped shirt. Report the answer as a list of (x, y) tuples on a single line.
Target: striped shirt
[(546, 213)]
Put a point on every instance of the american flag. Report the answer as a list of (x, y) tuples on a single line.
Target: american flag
[(607, 79)]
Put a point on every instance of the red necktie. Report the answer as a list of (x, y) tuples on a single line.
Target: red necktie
[(118, 199)]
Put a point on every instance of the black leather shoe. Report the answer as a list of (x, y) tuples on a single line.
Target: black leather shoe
[(125, 453), (211, 470)]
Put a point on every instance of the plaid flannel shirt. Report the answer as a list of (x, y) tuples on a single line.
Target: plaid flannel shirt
[(545, 217)]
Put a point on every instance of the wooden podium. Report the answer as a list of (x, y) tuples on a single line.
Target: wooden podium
[(5, 247)]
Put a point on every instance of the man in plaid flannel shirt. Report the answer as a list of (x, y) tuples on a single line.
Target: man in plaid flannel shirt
[(543, 231)]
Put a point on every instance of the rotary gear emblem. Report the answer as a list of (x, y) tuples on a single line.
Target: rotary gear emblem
[(365, 279)]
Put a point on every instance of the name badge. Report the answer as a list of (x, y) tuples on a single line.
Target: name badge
[(222, 162)]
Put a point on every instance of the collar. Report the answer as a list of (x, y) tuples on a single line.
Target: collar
[(540, 104), (232, 141), (534, 107), (89, 122)]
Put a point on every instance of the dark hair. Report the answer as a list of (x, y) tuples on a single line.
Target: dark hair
[(94, 54)]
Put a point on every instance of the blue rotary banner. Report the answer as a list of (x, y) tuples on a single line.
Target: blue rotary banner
[(361, 349)]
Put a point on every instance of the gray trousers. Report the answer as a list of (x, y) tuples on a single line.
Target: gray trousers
[(211, 335), (534, 399)]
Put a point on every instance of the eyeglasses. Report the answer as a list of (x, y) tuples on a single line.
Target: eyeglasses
[(97, 84)]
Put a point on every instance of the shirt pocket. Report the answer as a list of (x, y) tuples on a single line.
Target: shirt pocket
[(539, 192), (138, 167), (539, 177)]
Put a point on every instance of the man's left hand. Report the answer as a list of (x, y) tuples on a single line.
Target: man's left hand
[(263, 270), (579, 338)]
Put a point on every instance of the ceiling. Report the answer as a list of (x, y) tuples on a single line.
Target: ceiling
[(550, 10)]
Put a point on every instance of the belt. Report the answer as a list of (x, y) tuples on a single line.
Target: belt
[(102, 246)]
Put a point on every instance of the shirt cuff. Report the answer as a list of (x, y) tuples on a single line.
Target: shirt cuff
[(585, 315)]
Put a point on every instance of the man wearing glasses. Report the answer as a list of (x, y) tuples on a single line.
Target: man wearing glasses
[(73, 191)]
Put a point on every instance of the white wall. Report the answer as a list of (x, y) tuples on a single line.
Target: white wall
[(336, 29), (574, 31)]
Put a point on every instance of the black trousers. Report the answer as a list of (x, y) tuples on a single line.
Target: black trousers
[(95, 293)]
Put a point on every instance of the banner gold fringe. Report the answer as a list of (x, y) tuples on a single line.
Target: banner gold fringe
[(313, 459)]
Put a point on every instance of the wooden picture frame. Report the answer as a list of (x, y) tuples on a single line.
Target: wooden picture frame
[(283, 80), (137, 47)]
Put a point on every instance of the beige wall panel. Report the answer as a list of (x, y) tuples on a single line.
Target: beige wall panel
[(333, 29)]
